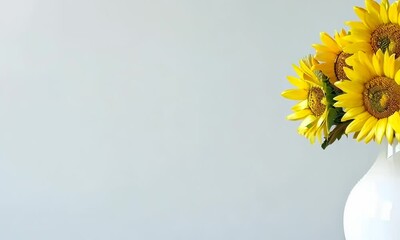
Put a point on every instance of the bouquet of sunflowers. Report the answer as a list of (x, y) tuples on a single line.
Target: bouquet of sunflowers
[(351, 85)]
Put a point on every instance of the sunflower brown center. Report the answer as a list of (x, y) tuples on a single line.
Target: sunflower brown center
[(386, 37), (315, 104), (381, 97), (340, 63)]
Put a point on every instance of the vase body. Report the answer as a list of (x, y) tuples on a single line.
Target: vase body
[(372, 210)]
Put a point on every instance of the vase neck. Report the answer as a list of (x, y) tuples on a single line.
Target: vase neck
[(392, 148)]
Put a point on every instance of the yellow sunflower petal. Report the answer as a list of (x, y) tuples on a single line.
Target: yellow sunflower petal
[(305, 68), (319, 135), (330, 42), (372, 6), (320, 47), (380, 129), (361, 12), (326, 56), (373, 20), (297, 82), (349, 96), (299, 114), (298, 70), (361, 34), (371, 135), (384, 14), (366, 61), (367, 127), (348, 104), (358, 25), (307, 121), (377, 65), (393, 13), (388, 65), (295, 94), (352, 113), (320, 121), (357, 46), (357, 123), (350, 86), (364, 73), (394, 121), (300, 106), (326, 68), (353, 75)]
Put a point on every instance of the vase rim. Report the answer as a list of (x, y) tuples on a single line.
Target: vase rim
[(392, 148)]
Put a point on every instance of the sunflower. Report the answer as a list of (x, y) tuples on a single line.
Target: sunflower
[(330, 56), (371, 96), (379, 28), (312, 108)]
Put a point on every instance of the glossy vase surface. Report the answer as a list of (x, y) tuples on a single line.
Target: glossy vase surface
[(372, 210)]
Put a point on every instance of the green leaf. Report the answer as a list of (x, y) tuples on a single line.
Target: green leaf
[(335, 134), (332, 114)]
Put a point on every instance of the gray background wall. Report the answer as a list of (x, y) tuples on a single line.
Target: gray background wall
[(163, 120)]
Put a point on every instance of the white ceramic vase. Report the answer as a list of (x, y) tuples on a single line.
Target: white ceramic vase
[(372, 210)]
